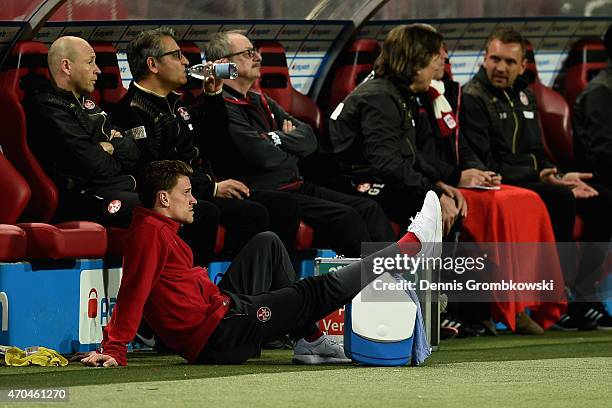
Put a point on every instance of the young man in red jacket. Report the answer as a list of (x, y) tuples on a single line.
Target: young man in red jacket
[(258, 299)]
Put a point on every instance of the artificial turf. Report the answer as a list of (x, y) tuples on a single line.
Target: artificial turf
[(553, 370)]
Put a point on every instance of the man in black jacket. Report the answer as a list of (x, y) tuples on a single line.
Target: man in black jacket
[(500, 120), (374, 130), (174, 131), (264, 148), (592, 120), (88, 159)]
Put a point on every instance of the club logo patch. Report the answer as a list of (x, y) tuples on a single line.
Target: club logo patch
[(89, 104), (263, 314), (184, 113), (524, 98), (114, 206), (363, 187)]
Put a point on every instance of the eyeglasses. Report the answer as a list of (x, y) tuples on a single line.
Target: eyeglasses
[(178, 54), (250, 52)]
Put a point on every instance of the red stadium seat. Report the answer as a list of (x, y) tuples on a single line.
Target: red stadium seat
[(67, 240), (554, 115), (354, 64), (555, 122), (13, 242), (109, 87), (191, 51), (586, 58), (275, 83)]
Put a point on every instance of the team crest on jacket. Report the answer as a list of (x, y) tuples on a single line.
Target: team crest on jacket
[(263, 314), (114, 206), (89, 104), (524, 98), (184, 113)]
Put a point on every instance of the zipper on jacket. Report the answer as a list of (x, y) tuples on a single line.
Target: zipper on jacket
[(515, 122), (535, 161)]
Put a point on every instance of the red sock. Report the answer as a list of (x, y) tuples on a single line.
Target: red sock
[(409, 244), (314, 336)]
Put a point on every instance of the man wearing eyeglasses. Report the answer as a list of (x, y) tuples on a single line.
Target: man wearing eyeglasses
[(174, 131), (265, 146)]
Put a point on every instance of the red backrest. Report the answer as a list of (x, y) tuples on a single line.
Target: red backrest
[(276, 83), (585, 59), (192, 52), (354, 64), (109, 87), (26, 58), (555, 118), (15, 191)]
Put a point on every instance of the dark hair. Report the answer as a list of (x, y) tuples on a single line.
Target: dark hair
[(146, 44), (608, 41), (508, 36), (160, 175), (220, 45), (407, 49)]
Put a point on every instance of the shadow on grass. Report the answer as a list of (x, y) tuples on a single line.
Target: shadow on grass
[(155, 367)]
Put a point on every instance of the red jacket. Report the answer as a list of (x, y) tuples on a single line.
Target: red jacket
[(178, 300)]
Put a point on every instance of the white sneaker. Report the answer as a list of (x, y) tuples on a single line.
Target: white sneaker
[(427, 226), (324, 350)]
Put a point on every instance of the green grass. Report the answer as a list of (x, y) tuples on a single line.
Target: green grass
[(553, 370)]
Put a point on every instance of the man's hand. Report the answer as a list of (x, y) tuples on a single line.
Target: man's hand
[(232, 189), (476, 177), (288, 126), (108, 148), (449, 212), (579, 187), (115, 133), (457, 197), (99, 360), (211, 83)]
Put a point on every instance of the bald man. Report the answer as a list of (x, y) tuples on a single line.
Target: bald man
[(89, 160)]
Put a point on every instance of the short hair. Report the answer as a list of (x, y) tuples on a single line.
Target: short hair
[(146, 44), (220, 45), (608, 41), (407, 49), (508, 36), (160, 175)]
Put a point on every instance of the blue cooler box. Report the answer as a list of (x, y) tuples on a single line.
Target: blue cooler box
[(379, 324)]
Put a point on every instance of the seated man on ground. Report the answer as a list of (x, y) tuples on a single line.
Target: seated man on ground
[(257, 300), (263, 149)]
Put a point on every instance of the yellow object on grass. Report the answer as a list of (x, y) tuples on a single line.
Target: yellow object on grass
[(41, 356)]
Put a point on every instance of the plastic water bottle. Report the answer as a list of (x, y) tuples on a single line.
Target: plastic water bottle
[(225, 70)]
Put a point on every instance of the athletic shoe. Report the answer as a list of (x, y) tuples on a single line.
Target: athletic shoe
[(427, 226), (572, 323), (604, 321), (324, 350)]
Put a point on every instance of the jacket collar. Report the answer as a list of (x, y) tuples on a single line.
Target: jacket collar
[(140, 214), (171, 97), (519, 85), (231, 93)]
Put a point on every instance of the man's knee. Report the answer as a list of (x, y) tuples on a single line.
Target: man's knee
[(267, 239)]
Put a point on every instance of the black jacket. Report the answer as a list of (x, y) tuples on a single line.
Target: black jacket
[(593, 127), (64, 134), (374, 137), (174, 131), (448, 154), (260, 153), (502, 127)]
